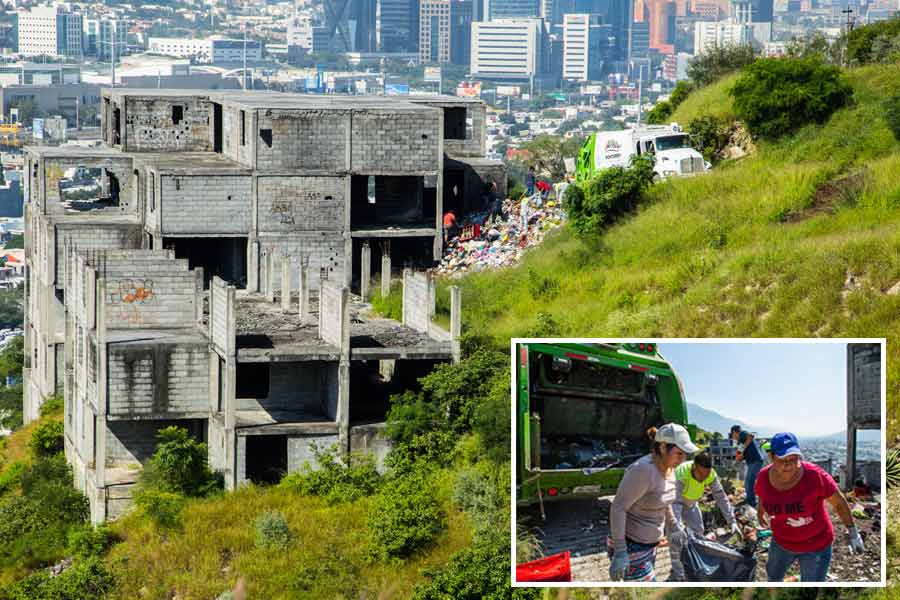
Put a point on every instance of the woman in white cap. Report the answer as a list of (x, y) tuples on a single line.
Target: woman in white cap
[(642, 509), (792, 495)]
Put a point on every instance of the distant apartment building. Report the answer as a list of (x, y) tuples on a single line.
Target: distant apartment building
[(434, 31), (101, 34), (507, 49), (207, 50), (719, 34), (51, 31)]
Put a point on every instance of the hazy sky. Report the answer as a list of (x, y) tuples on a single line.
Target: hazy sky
[(795, 387)]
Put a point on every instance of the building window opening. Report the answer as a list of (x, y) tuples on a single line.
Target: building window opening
[(177, 114)]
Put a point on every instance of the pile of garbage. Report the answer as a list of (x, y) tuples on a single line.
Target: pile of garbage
[(489, 243), (587, 453)]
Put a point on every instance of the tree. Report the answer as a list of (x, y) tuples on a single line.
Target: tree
[(718, 61), (873, 43), (28, 110), (547, 153), (12, 313), (660, 113), (682, 90), (775, 96), (814, 45)]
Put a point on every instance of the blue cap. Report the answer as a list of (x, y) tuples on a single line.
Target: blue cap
[(785, 444)]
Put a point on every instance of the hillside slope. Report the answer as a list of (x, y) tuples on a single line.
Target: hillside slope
[(799, 239)]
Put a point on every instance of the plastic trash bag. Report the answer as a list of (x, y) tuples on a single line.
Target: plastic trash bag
[(706, 560)]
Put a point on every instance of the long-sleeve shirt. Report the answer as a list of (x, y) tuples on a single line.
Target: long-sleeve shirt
[(718, 493), (643, 504)]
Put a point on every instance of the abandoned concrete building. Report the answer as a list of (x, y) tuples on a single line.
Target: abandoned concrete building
[(208, 267)]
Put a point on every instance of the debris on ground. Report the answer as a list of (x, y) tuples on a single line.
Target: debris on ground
[(490, 243)]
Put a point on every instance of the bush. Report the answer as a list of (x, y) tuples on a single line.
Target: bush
[(11, 477), (404, 517), (892, 115), (514, 188), (47, 439), (179, 465), (163, 508), (877, 42), (85, 580), (775, 96), (481, 496), (87, 541), (478, 572), (718, 61), (390, 306), (607, 196), (272, 531), (709, 136), (52, 406), (660, 113), (333, 478), (682, 90)]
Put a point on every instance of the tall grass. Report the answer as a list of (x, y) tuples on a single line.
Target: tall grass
[(711, 255)]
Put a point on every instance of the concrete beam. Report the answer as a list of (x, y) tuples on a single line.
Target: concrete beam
[(365, 270)]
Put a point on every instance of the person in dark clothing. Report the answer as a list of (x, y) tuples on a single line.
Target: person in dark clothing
[(530, 181), (749, 452)]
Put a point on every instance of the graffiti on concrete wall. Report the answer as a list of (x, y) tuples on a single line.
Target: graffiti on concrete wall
[(129, 295)]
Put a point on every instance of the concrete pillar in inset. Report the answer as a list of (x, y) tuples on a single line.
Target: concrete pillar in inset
[(198, 295), (100, 438), (385, 274), (455, 320), (365, 270), (285, 283), (304, 291), (270, 275), (253, 267)]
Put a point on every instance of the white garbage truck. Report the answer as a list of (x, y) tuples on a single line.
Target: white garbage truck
[(668, 144)]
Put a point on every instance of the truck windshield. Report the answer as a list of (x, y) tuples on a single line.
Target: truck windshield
[(671, 142)]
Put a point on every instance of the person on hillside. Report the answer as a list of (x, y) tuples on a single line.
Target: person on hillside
[(642, 507), (749, 452), (524, 214), (692, 479), (530, 181), (792, 495), (449, 225)]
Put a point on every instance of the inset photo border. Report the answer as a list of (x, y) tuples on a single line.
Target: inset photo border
[(653, 442)]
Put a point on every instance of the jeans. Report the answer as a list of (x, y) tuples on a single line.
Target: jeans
[(750, 480), (690, 516), (813, 565)]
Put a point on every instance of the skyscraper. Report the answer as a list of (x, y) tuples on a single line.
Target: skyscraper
[(434, 31), (512, 9), (394, 29), (507, 49), (585, 46), (460, 31)]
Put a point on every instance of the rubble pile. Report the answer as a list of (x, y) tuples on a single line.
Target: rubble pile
[(499, 241)]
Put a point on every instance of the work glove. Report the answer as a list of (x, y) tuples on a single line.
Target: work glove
[(856, 543), (619, 565), (736, 529), (679, 537)]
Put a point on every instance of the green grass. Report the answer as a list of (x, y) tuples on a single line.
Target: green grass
[(709, 256), (327, 557)]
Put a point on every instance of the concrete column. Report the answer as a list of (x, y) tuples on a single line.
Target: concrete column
[(385, 274), (285, 283), (455, 321), (407, 272), (270, 275), (253, 266), (198, 295), (365, 270), (304, 291), (100, 454)]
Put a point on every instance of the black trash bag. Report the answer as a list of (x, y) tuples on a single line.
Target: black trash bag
[(705, 560)]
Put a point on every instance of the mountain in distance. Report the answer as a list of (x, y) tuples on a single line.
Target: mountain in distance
[(710, 420)]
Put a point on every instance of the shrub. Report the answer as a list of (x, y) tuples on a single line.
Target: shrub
[(480, 571), (660, 113), (682, 90), (52, 406), (775, 96), (390, 306), (609, 195), (272, 531), (334, 479), (873, 43), (11, 477), (87, 541), (179, 465), (479, 494), (709, 135), (404, 517), (892, 115), (163, 508), (717, 61), (85, 580), (47, 439), (492, 415)]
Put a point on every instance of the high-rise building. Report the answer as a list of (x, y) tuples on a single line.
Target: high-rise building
[(112, 31), (434, 31), (512, 9), (719, 34), (393, 26), (507, 49), (585, 47), (461, 31), (660, 14), (300, 31), (752, 11), (639, 45), (50, 30), (363, 25)]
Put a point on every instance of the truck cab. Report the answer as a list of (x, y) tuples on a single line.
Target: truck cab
[(583, 411), (673, 153)]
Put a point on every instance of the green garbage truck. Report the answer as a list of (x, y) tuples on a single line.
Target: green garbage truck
[(582, 414)]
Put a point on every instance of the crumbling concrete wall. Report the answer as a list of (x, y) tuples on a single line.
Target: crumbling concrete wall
[(239, 135), (385, 141), (334, 314), (158, 379), (154, 124), (92, 236), (300, 449), (205, 204), (286, 204), (54, 170), (302, 139), (302, 387), (134, 442), (371, 439), (164, 296), (418, 300), (222, 326), (324, 250)]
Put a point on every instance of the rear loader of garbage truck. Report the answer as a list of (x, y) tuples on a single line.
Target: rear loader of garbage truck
[(582, 414)]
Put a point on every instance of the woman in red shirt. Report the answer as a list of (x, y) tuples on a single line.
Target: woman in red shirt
[(792, 495)]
